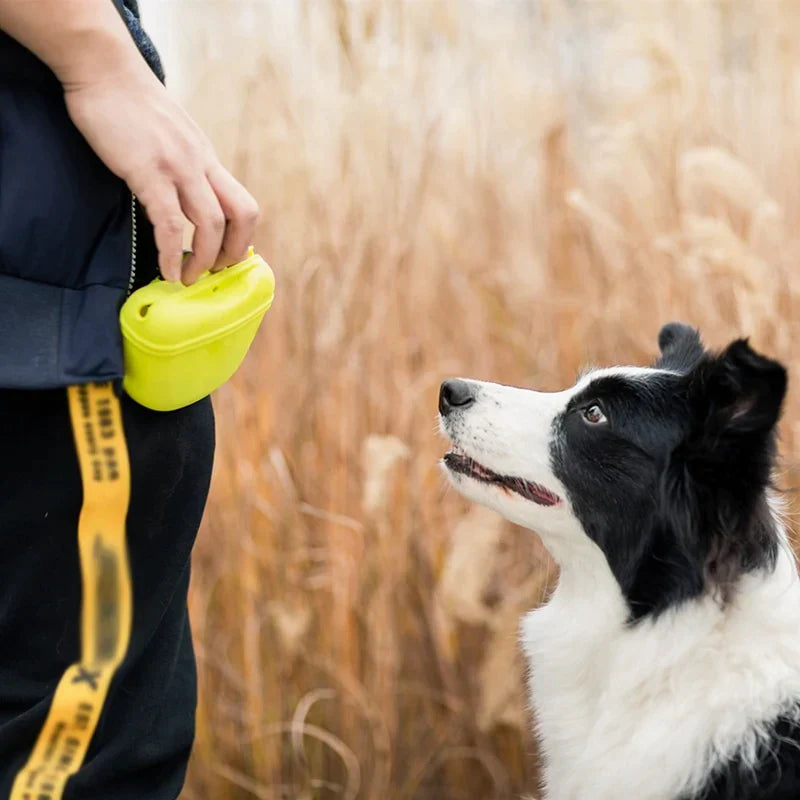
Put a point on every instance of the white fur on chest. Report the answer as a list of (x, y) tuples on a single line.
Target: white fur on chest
[(649, 711)]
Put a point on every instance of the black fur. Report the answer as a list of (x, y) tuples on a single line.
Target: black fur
[(776, 777), (673, 486), (681, 348)]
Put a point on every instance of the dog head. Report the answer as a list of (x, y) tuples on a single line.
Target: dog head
[(665, 469)]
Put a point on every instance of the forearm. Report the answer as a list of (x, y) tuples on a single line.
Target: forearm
[(80, 40)]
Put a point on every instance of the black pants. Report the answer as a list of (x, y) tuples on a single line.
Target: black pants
[(142, 743)]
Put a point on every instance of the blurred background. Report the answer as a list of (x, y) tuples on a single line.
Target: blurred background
[(507, 190)]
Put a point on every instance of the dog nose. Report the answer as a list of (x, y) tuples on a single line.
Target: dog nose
[(455, 394)]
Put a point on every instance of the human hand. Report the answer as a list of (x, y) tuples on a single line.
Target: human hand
[(139, 131), (148, 140)]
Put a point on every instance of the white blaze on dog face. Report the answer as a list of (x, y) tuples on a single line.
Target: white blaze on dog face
[(505, 440), (502, 441)]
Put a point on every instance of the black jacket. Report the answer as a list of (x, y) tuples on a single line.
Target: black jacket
[(65, 267), (73, 242)]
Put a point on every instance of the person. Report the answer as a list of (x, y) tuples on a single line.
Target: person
[(98, 168)]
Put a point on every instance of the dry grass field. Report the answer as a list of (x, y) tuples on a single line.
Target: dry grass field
[(506, 190)]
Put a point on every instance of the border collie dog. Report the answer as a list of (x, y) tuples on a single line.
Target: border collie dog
[(666, 664)]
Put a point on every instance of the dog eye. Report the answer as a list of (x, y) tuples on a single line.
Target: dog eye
[(594, 414)]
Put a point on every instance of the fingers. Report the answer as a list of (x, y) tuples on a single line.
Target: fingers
[(143, 136), (160, 201), (202, 207), (223, 212), (241, 212)]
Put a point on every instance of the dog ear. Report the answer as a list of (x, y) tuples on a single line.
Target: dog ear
[(711, 520), (735, 394), (681, 348), (717, 476)]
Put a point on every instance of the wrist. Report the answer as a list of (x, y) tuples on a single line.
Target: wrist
[(82, 41), (93, 54)]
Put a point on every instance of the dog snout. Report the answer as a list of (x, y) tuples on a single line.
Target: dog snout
[(455, 394)]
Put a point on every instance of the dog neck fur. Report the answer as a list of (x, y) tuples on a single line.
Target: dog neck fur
[(605, 692)]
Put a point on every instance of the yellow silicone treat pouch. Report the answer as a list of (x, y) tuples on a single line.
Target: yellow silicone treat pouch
[(182, 342)]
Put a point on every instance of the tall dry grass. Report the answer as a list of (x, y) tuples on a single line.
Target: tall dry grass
[(505, 190)]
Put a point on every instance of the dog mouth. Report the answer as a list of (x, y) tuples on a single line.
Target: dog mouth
[(459, 462)]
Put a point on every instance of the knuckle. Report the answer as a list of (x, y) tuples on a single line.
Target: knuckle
[(216, 222), (151, 196), (164, 163), (177, 167), (172, 226), (251, 212), (205, 152)]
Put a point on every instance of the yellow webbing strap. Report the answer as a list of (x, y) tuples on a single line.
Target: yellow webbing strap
[(106, 606)]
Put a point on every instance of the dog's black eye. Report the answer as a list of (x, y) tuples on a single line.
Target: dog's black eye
[(594, 414)]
